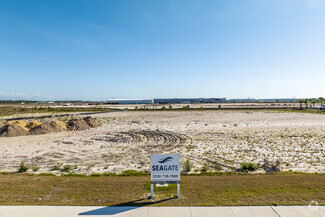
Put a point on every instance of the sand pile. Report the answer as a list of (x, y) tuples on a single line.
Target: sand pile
[(92, 122), (23, 124), (2, 125), (11, 130), (47, 128), (77, 125), (33, 124), (82, 124), (62, 124), (21, 128)]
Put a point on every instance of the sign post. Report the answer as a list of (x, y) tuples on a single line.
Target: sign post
[(165, 168)]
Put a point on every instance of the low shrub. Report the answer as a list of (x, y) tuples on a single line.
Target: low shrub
[(245, 167), (23, 168), (217, 166), (56, 167), (66, 168), (187, 165), (35, 169), (204, 169)]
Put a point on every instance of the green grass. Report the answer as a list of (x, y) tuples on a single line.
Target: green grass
[(196, 190)]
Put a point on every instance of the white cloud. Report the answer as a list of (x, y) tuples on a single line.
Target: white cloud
[(24, 96)]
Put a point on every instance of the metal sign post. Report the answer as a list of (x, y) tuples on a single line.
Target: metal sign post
[(165, 168)]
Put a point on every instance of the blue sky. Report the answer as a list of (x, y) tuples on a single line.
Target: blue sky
[(95, 50)]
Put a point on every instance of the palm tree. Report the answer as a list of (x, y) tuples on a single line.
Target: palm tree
[(306, 102), (321, 99), (314, 101), (301, 101)]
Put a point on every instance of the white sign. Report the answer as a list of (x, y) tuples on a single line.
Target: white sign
[(165, 168)]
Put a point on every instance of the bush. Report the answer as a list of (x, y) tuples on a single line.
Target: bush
[(35, 169), (163, 108), (170, 107), (188, 165), (56, 167), (186, 107), (66, 168), (217, 166), (23, 168), (245, 167), (204, 169)]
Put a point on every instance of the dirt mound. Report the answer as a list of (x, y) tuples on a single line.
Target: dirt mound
[(20, 123), (92, 122), (77, 125), (33, 124), (62, 124), (47, 128), (11, 130)]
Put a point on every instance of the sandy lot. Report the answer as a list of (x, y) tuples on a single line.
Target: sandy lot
[(126, 140)]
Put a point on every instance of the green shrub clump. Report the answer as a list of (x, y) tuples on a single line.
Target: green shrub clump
[(66, 168), (245, 167), (204, 169), (23, 168), (188, 166), (186, 107)]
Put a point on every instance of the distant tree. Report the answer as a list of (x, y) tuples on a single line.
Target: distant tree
[(321, 100), (170, 107), (300, 102), (186, 107), (314, 101), (306, 102)]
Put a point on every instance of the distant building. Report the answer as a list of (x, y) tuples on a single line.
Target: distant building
[(189, 100), (129, 101), (263, 100), (279, 100), (243, 100)]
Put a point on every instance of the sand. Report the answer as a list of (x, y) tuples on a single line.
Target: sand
[(125, 140)]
